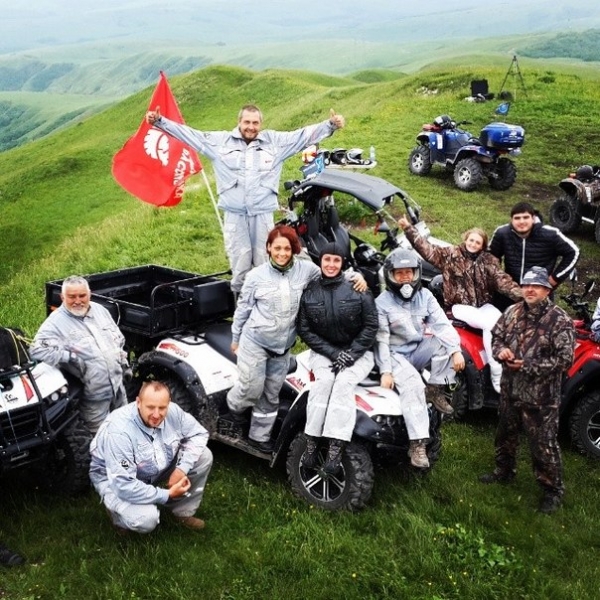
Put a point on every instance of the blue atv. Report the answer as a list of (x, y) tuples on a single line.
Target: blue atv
[(469, 158)]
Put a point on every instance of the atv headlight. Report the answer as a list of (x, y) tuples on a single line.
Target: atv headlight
[(58, 394)]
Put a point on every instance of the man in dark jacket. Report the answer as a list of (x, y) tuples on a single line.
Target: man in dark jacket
[(535, 341), (525, 242), (339, 325)]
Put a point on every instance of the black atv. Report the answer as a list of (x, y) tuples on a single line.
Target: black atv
[(579, 201), (40, 427)]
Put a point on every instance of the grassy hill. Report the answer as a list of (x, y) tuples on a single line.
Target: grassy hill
[(42, 88), (443, 536)]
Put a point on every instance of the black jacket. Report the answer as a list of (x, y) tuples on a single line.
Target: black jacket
[(334, 317), (542, 248)]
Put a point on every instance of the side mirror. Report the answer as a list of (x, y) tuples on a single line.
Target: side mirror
[(382, 227)]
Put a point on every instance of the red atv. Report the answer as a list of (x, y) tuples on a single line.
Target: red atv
[(580, 404)]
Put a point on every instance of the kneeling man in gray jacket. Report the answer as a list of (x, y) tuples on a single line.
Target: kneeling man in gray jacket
[(150, 453)]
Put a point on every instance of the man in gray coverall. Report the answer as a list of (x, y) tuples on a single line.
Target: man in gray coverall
[(247, 163), (82, 338), (142, 446)]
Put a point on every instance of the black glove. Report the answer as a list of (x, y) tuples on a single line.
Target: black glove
[(128, 375), (342, 360)]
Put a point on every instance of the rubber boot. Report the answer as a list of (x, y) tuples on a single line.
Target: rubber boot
[(334, 457), (311, 454)]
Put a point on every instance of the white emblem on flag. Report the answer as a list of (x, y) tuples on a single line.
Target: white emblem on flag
[(156, 145)]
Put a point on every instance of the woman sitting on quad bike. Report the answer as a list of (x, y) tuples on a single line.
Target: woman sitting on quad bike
[(471, 275), (339, 326)]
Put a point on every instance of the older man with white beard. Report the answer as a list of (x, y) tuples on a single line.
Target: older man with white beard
[(81, 337)]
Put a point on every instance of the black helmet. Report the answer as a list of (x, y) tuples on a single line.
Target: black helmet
[(338, 156), (365, 254), (585, 172), (443, 121), (402, 259), (436, 287)]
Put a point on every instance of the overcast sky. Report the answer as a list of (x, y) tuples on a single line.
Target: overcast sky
[(30, 24)]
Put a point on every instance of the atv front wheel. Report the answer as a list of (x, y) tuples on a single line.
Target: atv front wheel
[(460, 398), (585, 425), (468, 174), (505, 175), (564, 215), (419, 162), (67, 465), (349, 490)]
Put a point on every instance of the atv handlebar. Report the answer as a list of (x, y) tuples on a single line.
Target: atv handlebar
[(578, 303)]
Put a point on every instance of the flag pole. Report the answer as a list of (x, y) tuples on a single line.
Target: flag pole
[(212, 198)]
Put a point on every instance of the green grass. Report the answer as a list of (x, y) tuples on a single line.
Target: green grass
[(443, 536)]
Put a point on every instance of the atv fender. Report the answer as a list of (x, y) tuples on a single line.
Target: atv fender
[(431, 139), (480, 153), (575, 188), (155, 360), (587, 376), (294, 421)]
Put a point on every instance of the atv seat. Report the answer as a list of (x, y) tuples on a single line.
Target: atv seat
[(331, 231), (13, 351), (218, 336), (315, 239)]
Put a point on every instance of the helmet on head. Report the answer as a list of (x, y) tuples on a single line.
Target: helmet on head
[(402, 259), (584, 172)]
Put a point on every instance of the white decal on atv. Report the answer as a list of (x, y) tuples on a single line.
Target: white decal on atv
[(173, 348)]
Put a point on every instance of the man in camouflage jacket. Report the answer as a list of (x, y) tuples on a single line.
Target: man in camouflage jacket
[(535, 341)]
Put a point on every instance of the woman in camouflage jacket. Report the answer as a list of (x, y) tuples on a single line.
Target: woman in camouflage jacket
[(471, 276)]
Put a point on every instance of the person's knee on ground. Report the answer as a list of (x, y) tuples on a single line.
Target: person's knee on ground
[(137, 518)]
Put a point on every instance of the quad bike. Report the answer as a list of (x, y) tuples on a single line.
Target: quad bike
[(312, 212), (469, 158), (177, 326), (579, 201), (40, 427), (580, 401)]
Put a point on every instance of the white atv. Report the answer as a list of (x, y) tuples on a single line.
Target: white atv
[(177, 326), (40, 427)]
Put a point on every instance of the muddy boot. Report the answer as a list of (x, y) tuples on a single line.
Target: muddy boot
[(311, 454), (334, 457), (438, 399), (418, 454)]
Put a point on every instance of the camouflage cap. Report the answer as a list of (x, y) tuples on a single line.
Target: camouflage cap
[(536, 276)]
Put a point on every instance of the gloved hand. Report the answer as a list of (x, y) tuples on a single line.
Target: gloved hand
[(342, 360), (128, 375)]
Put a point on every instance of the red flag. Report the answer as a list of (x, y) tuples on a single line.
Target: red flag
[(152, 165)]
